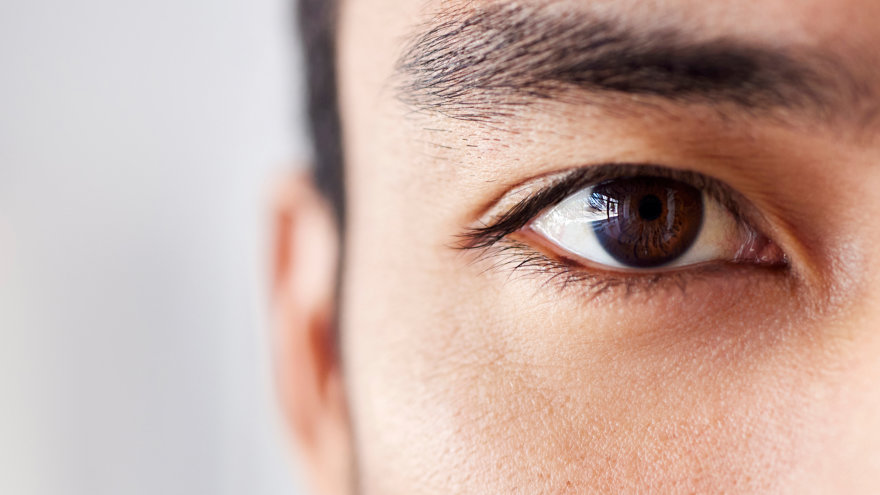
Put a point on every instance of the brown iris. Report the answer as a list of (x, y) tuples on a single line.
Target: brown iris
[(650, 220)]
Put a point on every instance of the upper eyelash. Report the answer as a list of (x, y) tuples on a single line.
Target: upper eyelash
[(524, 211)]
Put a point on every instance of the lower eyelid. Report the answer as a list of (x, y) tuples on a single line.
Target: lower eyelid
[(521, 256)]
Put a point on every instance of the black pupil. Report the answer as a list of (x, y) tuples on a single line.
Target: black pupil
[(650, 207)]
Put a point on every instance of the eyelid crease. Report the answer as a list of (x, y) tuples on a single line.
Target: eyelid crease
[(567, 183)]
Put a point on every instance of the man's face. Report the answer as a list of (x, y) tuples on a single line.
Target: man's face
[(519, 360)]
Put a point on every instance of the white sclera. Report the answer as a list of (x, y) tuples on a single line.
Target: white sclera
[(569, 225)]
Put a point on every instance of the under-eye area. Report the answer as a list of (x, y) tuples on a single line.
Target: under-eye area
[(625, 225)]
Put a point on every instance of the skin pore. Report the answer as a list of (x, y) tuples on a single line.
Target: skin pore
[(456, 370)]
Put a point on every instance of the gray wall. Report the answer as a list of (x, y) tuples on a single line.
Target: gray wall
[(136, 142)]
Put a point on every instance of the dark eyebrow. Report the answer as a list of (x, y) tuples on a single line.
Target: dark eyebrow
[(481, 64)]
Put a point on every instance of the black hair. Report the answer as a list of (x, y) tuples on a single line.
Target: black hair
[(317, 27)]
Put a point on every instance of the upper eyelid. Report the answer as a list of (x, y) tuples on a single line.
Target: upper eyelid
[(563, 184)]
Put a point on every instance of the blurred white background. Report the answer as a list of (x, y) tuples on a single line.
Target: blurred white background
[(137, 140)]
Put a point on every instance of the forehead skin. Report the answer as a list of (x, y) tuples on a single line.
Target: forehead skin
[(464, 378)]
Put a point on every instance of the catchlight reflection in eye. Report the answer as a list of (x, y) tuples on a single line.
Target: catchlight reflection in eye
[(649, 223)]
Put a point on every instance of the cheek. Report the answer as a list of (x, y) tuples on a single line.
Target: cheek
[(459, 381)]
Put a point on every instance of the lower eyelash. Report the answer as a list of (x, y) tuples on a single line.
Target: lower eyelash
[(520, 259)]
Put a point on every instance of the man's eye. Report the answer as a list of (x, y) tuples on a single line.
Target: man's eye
[(650, 223)]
